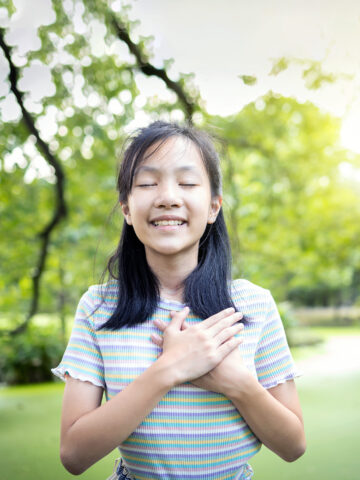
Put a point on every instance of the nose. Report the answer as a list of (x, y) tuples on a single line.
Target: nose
[(168, 196)]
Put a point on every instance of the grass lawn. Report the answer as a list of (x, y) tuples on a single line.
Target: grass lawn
[(331, 410), (29, 434)]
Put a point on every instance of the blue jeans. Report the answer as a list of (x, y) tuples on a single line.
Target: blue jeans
[(122, 472)]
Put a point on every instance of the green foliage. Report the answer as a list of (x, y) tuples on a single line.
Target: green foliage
[(95, 97), (28, 357), (297, 336), (279, 66), (248, 79), (93, 101), (8, 5), (287, 315), (329, 316), (315, 77), (291, 214), (312, 71)]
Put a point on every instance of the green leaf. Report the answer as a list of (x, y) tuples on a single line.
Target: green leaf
[(248, 79)]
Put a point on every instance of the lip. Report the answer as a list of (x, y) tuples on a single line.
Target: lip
[(167, 217), (168, 228)]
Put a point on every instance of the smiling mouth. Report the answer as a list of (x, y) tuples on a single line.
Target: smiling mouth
[(168, 223)]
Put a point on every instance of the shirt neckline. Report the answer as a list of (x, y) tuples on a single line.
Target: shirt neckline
[(168, 304)]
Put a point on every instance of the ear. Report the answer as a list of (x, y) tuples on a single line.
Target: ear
[(214, 209), (126, 212)]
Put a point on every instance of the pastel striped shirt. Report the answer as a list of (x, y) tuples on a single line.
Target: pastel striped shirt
[(192, 433)]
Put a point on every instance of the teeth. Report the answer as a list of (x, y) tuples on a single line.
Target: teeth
[(168, 222)]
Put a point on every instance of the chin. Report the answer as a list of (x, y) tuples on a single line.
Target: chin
[(170, 250)]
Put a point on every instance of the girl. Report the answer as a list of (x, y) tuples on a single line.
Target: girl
[(191, 391)]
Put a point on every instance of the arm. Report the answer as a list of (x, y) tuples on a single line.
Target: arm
[(90, 430), (274, 415)]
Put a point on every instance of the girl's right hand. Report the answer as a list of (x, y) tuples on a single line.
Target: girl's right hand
[(192, 352)]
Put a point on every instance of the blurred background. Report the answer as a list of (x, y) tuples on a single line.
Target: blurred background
[(278, 86)]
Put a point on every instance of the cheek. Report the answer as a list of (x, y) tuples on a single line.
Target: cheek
[(136, 204), (201, 204), (138, 215)]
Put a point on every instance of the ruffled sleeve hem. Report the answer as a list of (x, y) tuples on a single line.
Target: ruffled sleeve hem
[(61, 372), (278, 381)]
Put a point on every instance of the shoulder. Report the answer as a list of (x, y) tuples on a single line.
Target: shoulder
[(100, 293), (244, 289), (98, 302), (251, 299)]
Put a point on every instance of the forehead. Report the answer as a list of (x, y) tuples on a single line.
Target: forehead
[(175, 154)]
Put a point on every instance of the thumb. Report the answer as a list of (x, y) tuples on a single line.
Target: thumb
[(177, 318)]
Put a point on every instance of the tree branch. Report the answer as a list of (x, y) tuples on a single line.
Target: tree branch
[(60, 210), (148, 69)]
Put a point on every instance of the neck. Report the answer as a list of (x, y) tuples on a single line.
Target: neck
[(171, 272)]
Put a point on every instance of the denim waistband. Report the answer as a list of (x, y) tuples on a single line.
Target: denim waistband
[(123, 473)]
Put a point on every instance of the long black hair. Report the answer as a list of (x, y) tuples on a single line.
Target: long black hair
[(206, 289)]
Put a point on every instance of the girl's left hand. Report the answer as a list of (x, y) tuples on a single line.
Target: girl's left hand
[(224, 378)]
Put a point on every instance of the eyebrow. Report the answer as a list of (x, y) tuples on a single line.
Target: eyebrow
[(183, 168)]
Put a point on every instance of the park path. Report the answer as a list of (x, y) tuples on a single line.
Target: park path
[(340, 355)]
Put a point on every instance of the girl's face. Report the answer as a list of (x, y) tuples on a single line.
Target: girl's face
[(170, 201)]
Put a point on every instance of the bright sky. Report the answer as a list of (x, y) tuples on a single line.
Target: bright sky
[(218, 41)]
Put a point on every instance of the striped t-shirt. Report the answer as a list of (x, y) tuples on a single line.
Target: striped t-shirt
[(192, 433)]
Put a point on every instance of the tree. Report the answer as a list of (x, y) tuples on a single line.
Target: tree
[(283, 192), (94, 98), (293, 215)]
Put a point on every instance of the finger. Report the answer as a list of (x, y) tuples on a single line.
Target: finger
[(184, 325), (177, 318), (160, 324), (156, 339), (229, 346), (209, 322), (225, 323), (229, 332)]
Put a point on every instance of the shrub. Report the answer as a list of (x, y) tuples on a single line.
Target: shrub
[(29, 356), (296, 336), (328, 316), (287, 316)]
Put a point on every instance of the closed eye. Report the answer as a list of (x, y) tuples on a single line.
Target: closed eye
[(147, 185), (187, 184)]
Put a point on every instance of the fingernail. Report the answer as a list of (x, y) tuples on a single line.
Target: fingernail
[(230, 310)]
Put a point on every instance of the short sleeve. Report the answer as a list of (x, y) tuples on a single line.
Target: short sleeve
[(273, 361), (82, 358)]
